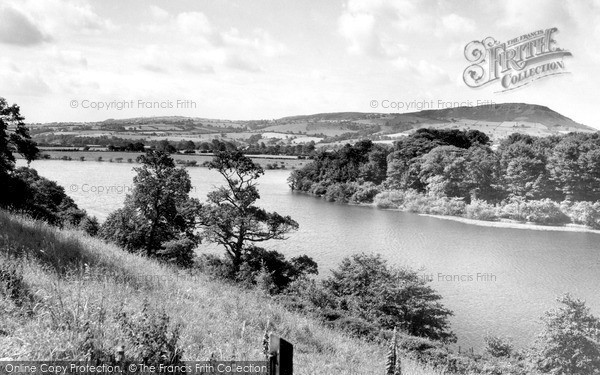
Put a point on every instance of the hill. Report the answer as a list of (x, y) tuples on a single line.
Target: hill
[(496, 120), (75, 287)]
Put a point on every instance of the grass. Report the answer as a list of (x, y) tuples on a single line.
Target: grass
[(75, 284)]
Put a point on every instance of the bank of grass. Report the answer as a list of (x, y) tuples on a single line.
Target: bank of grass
[(75, 286)]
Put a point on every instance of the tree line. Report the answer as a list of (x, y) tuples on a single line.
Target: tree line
[(550, 180)]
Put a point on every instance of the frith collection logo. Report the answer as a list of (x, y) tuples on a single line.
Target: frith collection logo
[(514, 63)]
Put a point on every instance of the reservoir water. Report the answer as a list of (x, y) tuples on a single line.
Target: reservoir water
[(496, 280)]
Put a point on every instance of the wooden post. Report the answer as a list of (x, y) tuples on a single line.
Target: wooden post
[(281, 356), (119, 354)]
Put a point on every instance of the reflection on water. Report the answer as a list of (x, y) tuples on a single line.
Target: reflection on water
[(496, 280)]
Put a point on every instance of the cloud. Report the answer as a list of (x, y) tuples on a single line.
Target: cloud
[(17, 29), (423, 71), (63, 18), (24, 83), (193, 31), (457, 24), (158, 13), (373, 28)]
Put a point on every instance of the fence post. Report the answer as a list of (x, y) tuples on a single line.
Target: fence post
[(119, 354), (281, 356)]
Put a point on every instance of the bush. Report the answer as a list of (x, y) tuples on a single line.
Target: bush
[(365, 287), (389, 199), (584, 213), (338, 193), (90, 226), (365, 193), (444, 206), (40, 198), (215, 266), (258, 263), (481, 210), (12, 284), (498, 347), (544, 211), (319, 188), (152, 340), (124, 228), (179, 252), (570, 342)]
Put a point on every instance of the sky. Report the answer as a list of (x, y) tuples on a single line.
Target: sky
[(89, 60)]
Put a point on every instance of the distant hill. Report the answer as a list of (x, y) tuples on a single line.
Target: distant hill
[(496, 120)]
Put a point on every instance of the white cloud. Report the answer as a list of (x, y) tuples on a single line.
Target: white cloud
[(158, 13), (457, 24), (193, 31), (64, 18), (18, 29)]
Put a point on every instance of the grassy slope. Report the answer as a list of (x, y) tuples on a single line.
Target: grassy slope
[(63, 270)]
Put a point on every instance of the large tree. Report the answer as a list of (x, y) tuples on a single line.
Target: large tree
[(14, 137), (159, 217), (365, 286), (231, 218), (570, 342)]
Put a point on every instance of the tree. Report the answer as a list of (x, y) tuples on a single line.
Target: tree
[(570, 342), (159, 217), (230, 217), (14, 137), (22, 189), (368, 288)]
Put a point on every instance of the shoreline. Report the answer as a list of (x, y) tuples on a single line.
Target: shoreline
[(576, 228), (516, 225)]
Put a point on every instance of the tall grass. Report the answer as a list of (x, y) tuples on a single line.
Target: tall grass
[(78, 286)]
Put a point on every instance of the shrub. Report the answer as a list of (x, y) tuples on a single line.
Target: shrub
[(365, 193), (318, 188), (179, 252), (585, 213), (498, 347), (444, 206), (337, 193), (40, 198), (570, 342), (544, 211), (258, 264), (481, 210), (389, 199), (152, 340), (365, 287), (90, 225), (12, 284), (215, 266)]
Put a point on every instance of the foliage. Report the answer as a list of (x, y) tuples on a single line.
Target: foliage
[(544, 211), (570, 342), (153, 341), (585, 213), (364, 286), (43, 199), (389, 199), (230, 217), (523, 179), (14, 137), (365, 193), (12, 284), (480, 210), (498, 346), (159, 218), (90, 225)]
